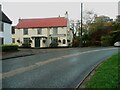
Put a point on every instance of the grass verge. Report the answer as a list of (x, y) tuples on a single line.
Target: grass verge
[(107, 74)]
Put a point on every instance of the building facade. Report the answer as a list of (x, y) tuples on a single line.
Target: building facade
[(5, 30), (46, 32)]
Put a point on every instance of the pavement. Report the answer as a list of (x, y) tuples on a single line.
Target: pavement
[(28, 52)]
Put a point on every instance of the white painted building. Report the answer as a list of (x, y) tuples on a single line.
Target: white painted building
[(5, 30), (45, 32)]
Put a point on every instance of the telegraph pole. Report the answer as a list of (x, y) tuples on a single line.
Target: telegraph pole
[(81, 22)]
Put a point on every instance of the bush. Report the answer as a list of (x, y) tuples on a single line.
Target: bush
[(59, 41), (68, 40), (9, 47), (26, 45), (54, 44), (76, 43), (115, 36), (106, 40), (18, 41), (44, 41)]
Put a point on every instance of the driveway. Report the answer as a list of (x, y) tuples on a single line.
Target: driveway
[(57, 69)]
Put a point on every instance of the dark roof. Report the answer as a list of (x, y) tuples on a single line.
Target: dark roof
[(42, 22), (5, 19)]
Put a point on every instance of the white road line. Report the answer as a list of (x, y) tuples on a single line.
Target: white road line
[(36, 65)]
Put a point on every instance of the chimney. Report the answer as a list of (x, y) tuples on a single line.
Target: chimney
[(19, 20), (66, 14)]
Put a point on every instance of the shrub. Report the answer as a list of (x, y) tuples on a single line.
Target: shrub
[(54, 45), (106, 40), (64, 41), (59, 41), (26, 45), (76, 43), (115, 36), (68, 40), (10, 47), (30, 41), (18, 41), (44, 41)]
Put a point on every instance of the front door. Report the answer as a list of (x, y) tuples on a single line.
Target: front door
[(37, 42)]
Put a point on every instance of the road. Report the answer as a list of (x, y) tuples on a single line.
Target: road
[(63, 69)]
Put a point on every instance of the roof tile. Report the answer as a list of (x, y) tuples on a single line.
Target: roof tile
[(45, 22)]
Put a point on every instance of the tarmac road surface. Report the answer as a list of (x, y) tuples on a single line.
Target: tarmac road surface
[(63, 69)]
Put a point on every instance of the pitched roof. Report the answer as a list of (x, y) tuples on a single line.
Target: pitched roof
[(45, 22), (5, 19)]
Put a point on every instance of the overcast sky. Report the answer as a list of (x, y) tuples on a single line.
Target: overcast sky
[(15, 10)]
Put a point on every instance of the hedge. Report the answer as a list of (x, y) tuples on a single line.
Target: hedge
[(26, 45), (9, 47), (75, 43), (106, 40)]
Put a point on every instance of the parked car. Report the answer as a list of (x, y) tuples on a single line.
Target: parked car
[(117, 44)]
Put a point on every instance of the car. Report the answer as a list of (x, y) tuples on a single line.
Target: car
[(117, 44)]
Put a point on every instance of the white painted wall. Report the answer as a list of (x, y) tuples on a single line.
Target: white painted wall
[(6, 34), (32, 32), (62, 31), (45, 32)]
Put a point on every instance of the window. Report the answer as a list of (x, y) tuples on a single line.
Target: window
[(13, 30), (1, 41), (64, 41), (13, 40), (39, 31), (55, 31), (26, 40), (25, 31), (2, 26)]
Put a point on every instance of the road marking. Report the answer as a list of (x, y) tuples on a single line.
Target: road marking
[(18, 71), (38, 64)]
